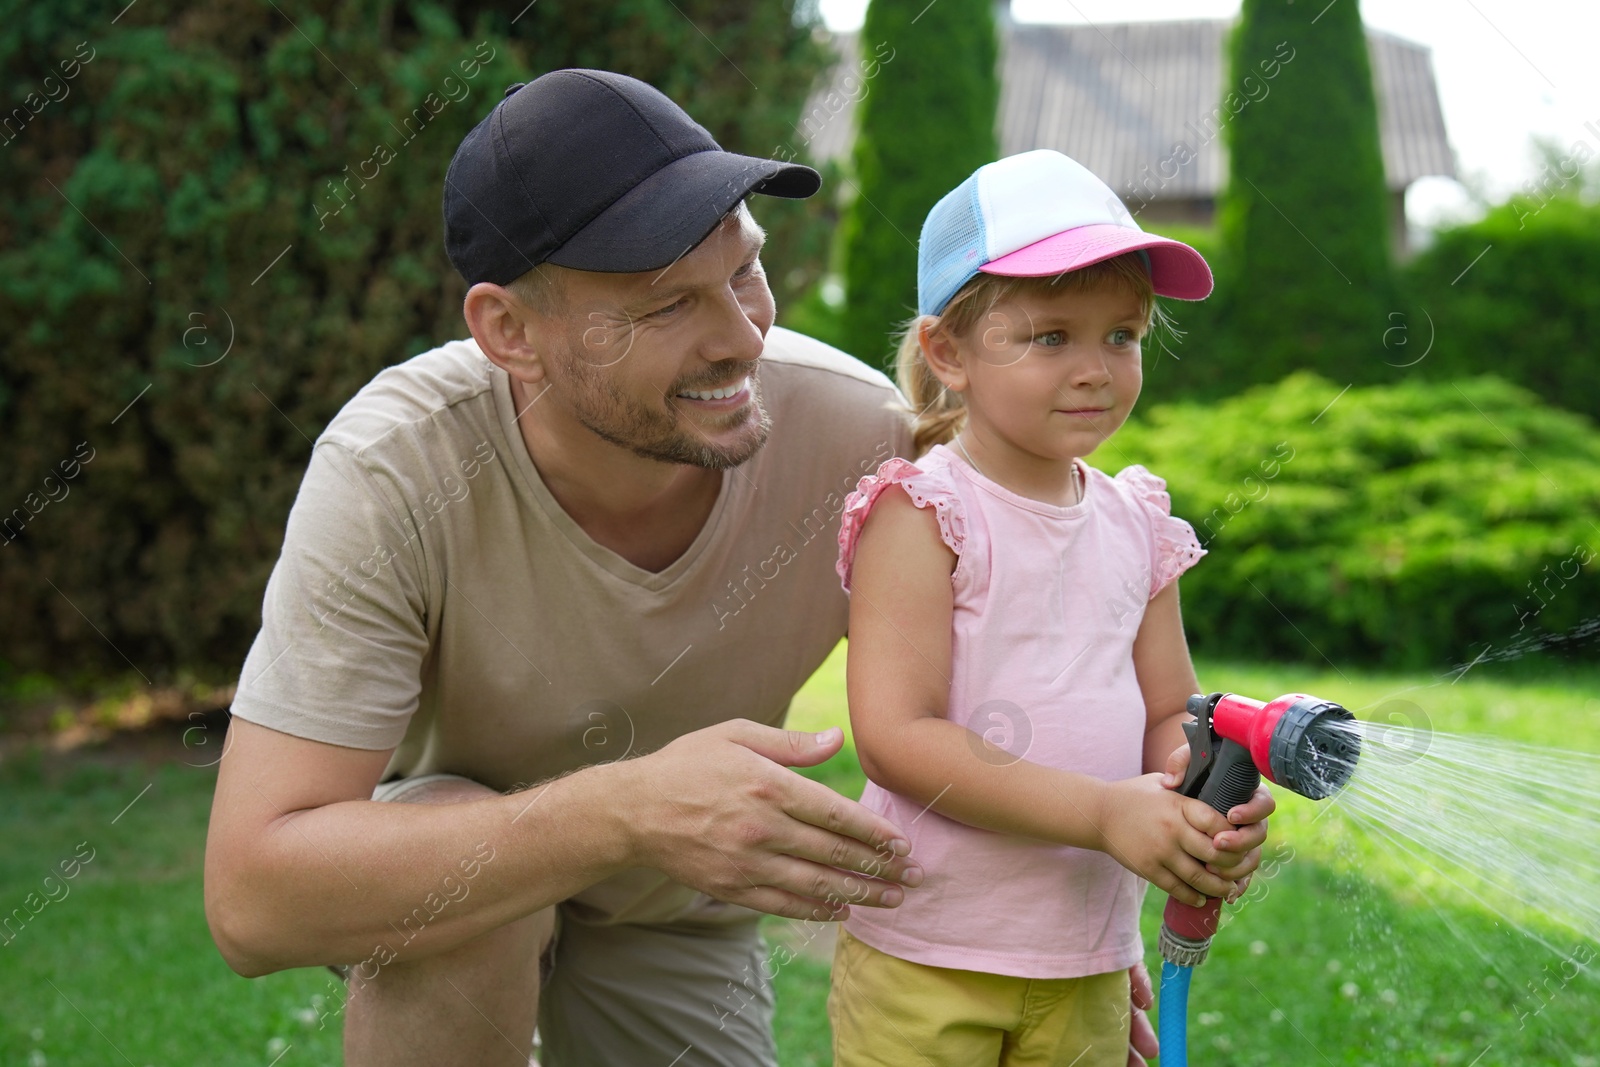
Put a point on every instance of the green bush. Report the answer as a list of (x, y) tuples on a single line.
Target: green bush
[(1402, 526), (210, 174), (1513, 295)]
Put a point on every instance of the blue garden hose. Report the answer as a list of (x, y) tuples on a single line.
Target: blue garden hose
[(1174, 1019)]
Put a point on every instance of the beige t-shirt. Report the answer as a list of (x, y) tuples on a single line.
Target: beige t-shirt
[(433, 597)]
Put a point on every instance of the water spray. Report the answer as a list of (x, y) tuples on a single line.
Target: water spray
[(1300, 742)]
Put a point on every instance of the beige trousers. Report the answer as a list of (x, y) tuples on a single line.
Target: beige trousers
[(680, 994)]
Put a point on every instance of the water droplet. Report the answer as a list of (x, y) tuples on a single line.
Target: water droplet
[(36, 1059), (1334, 966), (1466, 1017), (1350, 991), (37, 1033), (276, 1045), (306, 1016), (1258, 948), (1491, 982), (1389, 996), (1210, 1018), (1276, 1016)]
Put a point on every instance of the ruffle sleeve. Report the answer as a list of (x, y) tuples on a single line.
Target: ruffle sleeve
[(927, 489), (1174, 547)]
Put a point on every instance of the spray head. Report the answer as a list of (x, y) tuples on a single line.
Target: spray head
[(1300, 742)]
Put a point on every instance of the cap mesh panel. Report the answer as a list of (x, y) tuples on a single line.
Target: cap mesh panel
[(952, 247)]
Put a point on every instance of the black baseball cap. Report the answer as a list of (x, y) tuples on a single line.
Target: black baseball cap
[(596, 171)]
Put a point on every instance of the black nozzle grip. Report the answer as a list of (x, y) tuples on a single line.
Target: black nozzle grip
[(1233, 778)]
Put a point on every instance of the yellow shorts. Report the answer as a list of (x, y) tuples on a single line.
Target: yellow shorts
[(889, 1012)]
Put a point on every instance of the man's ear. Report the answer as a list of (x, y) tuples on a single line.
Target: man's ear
[(941, 353), (504, 328)]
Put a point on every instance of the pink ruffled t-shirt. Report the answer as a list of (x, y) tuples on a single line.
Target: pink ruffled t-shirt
[(1048, 600)]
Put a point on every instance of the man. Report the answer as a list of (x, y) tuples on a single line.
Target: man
[(592, 548)]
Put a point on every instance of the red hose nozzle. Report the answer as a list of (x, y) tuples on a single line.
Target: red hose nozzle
[(1297, 741)]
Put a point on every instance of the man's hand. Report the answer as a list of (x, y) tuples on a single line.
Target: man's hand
[(1238, 848), (1142, 1043), (718, 811)]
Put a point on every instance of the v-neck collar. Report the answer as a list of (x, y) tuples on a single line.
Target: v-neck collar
[(601, 556)]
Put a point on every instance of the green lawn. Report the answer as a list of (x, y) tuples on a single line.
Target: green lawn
[(1342, 955)]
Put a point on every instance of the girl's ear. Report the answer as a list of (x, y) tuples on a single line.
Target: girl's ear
[(942, 354)]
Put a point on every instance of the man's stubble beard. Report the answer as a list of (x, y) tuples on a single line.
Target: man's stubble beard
[(662, 434)]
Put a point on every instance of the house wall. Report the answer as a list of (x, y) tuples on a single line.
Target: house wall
[(1201, 211), (1197, 211)]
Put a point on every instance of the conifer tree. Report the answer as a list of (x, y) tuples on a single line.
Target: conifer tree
[(1304, 219), (925, 124)]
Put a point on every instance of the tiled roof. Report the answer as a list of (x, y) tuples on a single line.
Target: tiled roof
[(1117, 98)]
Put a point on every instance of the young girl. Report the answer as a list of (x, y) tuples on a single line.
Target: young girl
[(1017, 657)]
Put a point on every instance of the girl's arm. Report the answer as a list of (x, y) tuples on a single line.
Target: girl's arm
[(1166, 677), (898, 674)]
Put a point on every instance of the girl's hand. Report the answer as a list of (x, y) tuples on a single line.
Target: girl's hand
[(1239, 846), (1165, 838)]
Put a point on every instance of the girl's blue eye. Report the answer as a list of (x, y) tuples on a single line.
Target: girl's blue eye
[(1123, 336), (1052, 339)]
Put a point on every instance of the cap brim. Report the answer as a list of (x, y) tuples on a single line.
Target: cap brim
[(667, 214), (1176, 270)]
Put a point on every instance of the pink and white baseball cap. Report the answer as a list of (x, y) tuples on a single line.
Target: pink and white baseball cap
[(1036, 214)]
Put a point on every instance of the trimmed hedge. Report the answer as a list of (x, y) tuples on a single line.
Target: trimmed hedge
[(1196, 361), (195, 175), (1401, 526), (1514, 295), (1509, 295)]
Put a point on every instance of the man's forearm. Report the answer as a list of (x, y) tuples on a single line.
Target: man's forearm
[(365, 882)]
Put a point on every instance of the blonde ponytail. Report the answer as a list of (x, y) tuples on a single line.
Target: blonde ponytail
[(937, 413)]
